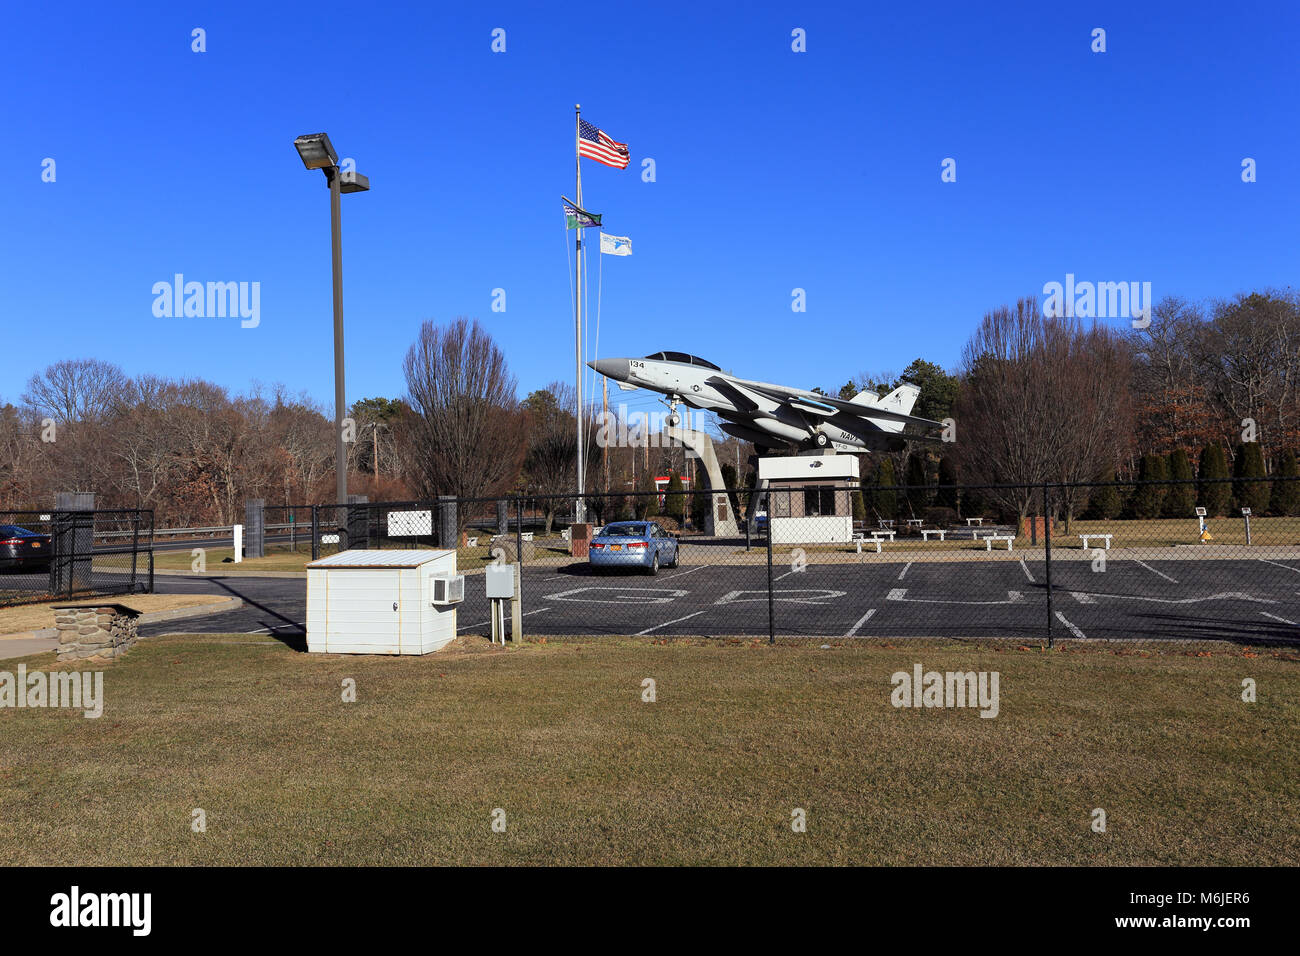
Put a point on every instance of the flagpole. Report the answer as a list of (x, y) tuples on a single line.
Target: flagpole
[(580, 508)]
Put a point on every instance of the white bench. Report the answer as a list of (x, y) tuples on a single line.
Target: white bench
[(859, 541), (974, 521), (1008, 538), (886, 522), (981, 535), (1085, 538), (926, 532), (877, 535), (914, 522), (527, 536)]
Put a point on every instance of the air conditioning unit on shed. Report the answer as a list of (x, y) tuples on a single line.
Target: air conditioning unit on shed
[(448, 589)]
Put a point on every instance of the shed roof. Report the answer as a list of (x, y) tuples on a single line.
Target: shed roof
[(360, 558)]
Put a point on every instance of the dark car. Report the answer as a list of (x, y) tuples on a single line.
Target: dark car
[(23, 549)]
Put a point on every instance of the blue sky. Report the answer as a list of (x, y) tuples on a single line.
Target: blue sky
[(775, 170)]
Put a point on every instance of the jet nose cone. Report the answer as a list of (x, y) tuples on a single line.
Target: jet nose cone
[(615, 368)]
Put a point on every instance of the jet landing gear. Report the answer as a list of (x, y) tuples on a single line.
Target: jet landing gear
[(672, 420)]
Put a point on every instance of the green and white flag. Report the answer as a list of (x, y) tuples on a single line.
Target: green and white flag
[(615, 245), (577, 218)]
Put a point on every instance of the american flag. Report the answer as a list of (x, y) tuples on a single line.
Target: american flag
[(595, 144)]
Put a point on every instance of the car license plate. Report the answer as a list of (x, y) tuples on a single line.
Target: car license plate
[(616, 547)]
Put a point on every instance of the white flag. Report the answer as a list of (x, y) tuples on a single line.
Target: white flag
[(615, 245)]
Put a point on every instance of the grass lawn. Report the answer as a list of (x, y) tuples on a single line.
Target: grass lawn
[(557, 735)]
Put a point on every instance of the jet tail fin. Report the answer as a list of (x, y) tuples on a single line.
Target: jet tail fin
[(900, 400)]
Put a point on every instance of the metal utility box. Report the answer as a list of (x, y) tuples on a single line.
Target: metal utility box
[(500, 580), (382, 602)]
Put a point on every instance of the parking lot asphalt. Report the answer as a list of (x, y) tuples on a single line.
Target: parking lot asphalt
[(1140, 599)]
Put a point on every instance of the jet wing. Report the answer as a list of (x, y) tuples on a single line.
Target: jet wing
[(736, 395), (825, 406)]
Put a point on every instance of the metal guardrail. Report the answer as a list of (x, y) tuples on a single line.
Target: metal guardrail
[(226, 529)]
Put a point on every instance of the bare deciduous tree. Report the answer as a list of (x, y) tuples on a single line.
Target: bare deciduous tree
[(465, 429), (1042, 399), (76, 390)]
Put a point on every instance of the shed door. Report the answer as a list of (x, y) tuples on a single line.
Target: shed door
[(360, 611)]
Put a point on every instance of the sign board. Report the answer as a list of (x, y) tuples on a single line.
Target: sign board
[(410, 523), (1200, 512)]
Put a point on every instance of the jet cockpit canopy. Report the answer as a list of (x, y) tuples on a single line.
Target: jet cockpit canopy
[(683, 358)]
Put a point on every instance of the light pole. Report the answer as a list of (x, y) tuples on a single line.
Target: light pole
[(318, 153)]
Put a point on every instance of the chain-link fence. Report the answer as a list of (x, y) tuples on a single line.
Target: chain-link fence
[(1044, 563), (47, 555)]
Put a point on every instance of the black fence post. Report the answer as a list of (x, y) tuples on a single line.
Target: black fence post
[(74, 542), (315, 532), (135, 549), (771, 602), (1047, 540), (519, 535), (254, 527), (151, 526)]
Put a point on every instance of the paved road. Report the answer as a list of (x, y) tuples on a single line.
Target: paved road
[(1233, 599)]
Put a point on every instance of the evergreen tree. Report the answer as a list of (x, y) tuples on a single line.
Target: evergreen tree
[(859, 507), (1180, 500), (918, 493), (646, 504), (699, 502), (674, 500), (886, 502), (1147, 499), (1106, 502), (1286, 494), (947, 497), (1214, 495), (1250, 489)]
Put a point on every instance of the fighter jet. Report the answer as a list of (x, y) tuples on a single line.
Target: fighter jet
[(772, 416)]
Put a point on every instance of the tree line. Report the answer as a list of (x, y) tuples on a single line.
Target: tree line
[(1203, 391)]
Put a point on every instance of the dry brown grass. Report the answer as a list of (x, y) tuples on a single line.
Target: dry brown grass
[(557, 735)]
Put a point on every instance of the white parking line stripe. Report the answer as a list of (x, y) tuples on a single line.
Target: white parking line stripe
[(862, 620), (1083, 597), (1026, 569), (1154, 571), (788, 573), (1287, 566), (1282, 619), (1074, 630), (900, 575), (688, 571), (666, 623), (482, 623)]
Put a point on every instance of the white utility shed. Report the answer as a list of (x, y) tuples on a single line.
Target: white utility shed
[(382, 602)]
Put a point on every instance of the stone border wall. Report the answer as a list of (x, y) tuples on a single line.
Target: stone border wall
[(97, 632)]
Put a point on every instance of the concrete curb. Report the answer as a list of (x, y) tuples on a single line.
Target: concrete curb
[(232, 574), (152, 617)]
